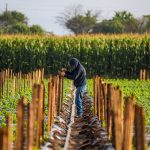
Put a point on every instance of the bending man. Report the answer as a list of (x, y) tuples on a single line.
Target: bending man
[(78, 74)]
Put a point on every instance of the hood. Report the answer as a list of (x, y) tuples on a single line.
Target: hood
[(74, 63)]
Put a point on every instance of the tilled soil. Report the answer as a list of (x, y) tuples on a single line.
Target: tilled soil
[(87, 132), (71, 133)]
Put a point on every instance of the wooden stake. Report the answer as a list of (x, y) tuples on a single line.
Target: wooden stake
[(3, 139), (54, 89), (14, 85), (140, 141), (40, 129), (0, 85), (98, 99), (101, 101), (109, 114), (20, 137), (128, 123), (31, 122), (94, 91), (9, 131), (49, 105), (118, 124), (141, 74)]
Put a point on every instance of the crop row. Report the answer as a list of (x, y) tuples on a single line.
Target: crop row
[(122, 55)]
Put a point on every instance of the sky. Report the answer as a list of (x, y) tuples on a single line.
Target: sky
[(45, 12)]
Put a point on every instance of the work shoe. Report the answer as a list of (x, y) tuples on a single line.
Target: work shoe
[(78, 116)]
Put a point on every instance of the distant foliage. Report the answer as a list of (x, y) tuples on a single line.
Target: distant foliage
[(13, 22), (82, 22)]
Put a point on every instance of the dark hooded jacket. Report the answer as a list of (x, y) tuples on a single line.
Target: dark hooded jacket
[(78, 73)]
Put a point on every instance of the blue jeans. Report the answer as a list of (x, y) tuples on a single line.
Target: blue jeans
[(78, 100)]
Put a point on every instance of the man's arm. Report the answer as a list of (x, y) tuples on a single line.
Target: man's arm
[(73, 75), (70, 75)]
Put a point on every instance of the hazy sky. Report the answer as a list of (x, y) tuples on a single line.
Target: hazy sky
[(44, 12)]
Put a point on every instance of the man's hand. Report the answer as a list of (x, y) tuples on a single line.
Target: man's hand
[(63, 69), (62, 73)]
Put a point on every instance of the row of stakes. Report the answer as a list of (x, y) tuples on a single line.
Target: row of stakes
[(123, 119), (87, 131), (108, 106), (19, 81), (30, 116), (144, 74), (31, 78)]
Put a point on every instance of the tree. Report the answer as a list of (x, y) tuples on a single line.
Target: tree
[(12, 17), (1, 30), (13, 22), (80, 22), (127, 19), (18, 28), (77, 21), (36, 29), (146, 20), (109, 26)]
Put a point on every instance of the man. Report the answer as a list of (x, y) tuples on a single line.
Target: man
[(78, 74)]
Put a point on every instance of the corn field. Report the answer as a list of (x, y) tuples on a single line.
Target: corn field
[(109, 55)]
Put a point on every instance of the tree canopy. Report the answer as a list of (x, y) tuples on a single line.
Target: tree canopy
[(13, 22), (80, 22)]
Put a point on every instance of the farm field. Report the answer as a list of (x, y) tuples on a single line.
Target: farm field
[(8, 103), (140, 89), (101, 55), (106, 55), (74, 75)]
